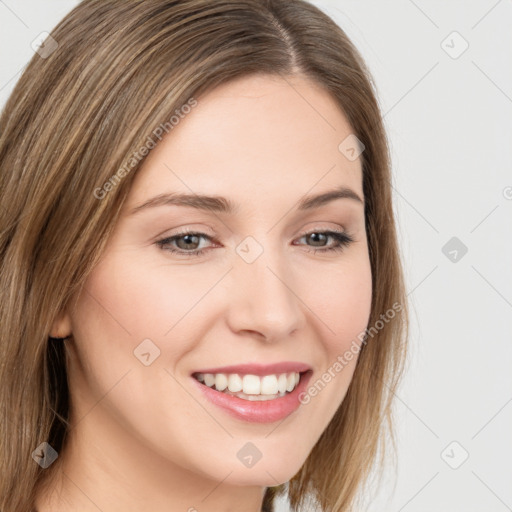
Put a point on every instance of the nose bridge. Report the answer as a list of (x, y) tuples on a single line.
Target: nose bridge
[(263, 297)]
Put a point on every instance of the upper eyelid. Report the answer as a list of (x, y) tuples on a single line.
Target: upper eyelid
[(207, 235)]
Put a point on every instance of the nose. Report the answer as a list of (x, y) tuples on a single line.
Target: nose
[(263, 298)]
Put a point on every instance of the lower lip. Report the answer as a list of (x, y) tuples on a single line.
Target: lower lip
[(266, 411)]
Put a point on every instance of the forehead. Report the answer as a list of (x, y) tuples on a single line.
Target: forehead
[(256, 136)]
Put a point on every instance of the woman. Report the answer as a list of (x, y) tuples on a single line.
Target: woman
[(202, 295)]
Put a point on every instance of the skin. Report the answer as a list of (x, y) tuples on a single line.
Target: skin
[(143, 437)]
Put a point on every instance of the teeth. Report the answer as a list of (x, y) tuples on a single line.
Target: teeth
[(269, 385), (281, 383), (290, 382), (221, 381), (251, 387), (209, 379), (234, 382)]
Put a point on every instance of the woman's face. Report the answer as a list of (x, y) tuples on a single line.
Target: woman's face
[(257, 301)]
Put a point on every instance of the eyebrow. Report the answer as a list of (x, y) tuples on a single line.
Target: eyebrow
[(221, 204)]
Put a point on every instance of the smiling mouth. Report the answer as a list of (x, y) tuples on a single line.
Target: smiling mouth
[(251, 387)]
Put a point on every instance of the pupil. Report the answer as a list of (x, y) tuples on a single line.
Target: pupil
[(317, 236), (188, 241)]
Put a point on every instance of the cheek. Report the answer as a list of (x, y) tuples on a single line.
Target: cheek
[(139, 299), (127, 300), (341, 299), (120, 306)]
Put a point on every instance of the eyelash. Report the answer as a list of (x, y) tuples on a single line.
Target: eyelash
[(342, 239)]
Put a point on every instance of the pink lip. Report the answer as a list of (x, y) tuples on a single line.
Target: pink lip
[(259, 369), (257, 412)]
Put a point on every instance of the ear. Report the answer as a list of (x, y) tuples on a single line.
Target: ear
[(61, 327)]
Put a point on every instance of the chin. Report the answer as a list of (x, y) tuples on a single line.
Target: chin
[(265, 474)]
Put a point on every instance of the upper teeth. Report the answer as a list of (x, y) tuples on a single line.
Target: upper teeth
[(251, 384)]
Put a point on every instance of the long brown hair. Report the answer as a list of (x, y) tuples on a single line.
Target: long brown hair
[(77, 116)]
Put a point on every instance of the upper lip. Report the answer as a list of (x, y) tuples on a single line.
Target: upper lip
[(259, 369)]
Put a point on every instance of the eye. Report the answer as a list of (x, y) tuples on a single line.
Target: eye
[(187, 243), (341, 241)]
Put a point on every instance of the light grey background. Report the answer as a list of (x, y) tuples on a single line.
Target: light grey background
[(450, 125)]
